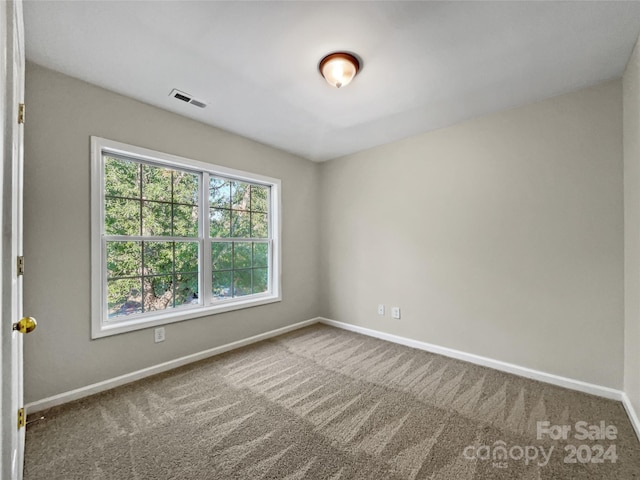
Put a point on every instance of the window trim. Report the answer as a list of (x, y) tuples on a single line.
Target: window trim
[(100, 325)]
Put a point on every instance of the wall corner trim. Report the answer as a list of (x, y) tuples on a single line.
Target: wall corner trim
[(631, 412), (565, 382), (98, 387)]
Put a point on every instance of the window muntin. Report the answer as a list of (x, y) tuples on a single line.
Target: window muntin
[(179, 238)]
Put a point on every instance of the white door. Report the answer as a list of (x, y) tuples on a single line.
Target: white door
[(13, 434)]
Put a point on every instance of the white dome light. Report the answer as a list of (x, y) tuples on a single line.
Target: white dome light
[(339, 68)]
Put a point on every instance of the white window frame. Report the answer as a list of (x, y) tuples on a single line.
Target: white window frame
[(101, 325)]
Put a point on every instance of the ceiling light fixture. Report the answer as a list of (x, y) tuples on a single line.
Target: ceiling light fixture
[(339, 68)]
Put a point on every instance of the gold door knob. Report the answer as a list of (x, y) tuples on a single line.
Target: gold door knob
[(26, 325)]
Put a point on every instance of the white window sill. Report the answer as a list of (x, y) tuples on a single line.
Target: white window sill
[(178, 315)]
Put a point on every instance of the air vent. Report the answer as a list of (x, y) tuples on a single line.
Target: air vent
[(185, 97)]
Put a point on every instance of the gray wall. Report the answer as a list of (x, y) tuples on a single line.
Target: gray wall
[(501, 236), (631, 96), (62, 114)]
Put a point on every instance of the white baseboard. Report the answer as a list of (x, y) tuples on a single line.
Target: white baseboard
[(94, 388), (631, 412), (565, 382)]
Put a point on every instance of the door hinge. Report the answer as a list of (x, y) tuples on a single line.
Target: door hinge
[(21, 113), (20, 265), (21, 418)]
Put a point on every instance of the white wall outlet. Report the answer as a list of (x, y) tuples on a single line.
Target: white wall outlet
[(158, 335), (381, 309), (395, 312)]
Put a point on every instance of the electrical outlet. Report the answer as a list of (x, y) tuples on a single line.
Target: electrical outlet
[(395, 312), (158, 335), (381, 309)]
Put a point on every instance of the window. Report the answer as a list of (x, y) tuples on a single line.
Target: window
[(175, 239)]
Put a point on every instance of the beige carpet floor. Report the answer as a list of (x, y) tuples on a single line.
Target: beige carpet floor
[(322, 403)]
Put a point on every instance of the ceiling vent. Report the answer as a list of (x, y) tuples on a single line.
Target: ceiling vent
[(185, 97)]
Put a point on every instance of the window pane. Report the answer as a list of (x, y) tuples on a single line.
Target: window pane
[(240, 198), (186, 289), (260, 280), (260, 254), (240, 226), (158, 293), (221, 286), (156, 218), (241, 283), (220, 223), (259, 225), (158, 258), (122, 217), (186, 257), (185, 221), (219, 193), (124, 259), (221, 256), (123, 297), (185, 187), (241, 255), (259, 197), (121, 178), (156, 183)]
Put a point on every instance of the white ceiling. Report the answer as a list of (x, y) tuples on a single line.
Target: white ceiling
[(425, 64)]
